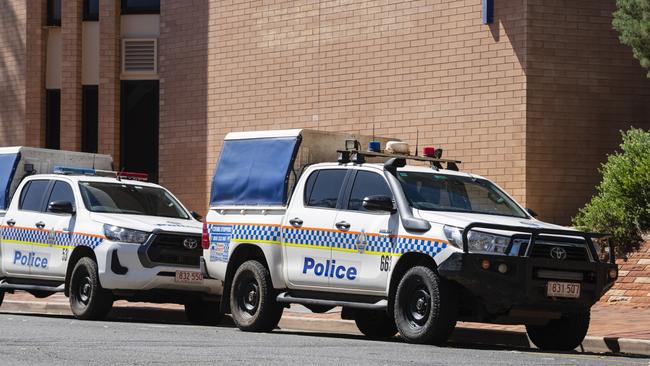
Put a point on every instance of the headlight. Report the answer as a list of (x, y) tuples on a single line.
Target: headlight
[(117, 233), (477, 242), (602, 248)]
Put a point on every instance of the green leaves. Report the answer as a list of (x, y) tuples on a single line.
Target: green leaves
[(632, 21), (622, 205)]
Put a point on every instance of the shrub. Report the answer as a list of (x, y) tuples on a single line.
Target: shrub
[(632, 21), (621, 206)]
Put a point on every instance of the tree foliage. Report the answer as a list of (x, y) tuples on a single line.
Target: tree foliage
[(622, 203), (632, 21)]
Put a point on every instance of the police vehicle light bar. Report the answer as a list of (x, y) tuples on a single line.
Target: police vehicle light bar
[(69, 170)]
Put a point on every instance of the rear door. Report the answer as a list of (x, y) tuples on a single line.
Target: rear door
[(24, 230), (307, 233)]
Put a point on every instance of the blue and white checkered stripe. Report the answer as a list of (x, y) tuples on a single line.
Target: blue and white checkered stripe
[(44, 237), (315, 238), (256, 232), (426, 246)]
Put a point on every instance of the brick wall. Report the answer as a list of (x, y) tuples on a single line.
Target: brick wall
[(633, 284), (35, 73), (71, 75), (109, 80), (583, 87), (12, 72), (400, 66)]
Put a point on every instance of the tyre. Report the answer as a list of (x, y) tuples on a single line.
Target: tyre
[(203, 313), (425, 307), (88, 300), (375, 324), (252, 301), (564, 334), (2, 296)]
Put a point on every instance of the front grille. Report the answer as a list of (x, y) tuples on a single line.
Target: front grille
[(573, 253), (169, 249)]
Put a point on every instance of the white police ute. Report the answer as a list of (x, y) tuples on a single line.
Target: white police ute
[(97, 236), (401, 248)]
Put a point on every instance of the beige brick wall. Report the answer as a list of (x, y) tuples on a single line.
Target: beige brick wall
[(13, 18), (401, 66), (583, 87), (633, 284), (71, 11), (109, 80), (36, 43)]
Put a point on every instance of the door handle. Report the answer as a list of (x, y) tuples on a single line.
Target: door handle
[(11, 222), (40, 224), (296, 222), (343, 225)]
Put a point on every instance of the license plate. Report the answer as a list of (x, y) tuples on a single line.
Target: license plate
[(563, 289), (188, 277)]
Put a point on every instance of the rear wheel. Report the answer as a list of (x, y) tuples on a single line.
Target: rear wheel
[(375, 324), (252, 300), (203, 313), (88, 300), (425, 307), (564, 334)]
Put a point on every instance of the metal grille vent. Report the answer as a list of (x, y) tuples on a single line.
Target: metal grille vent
[(140, 56)]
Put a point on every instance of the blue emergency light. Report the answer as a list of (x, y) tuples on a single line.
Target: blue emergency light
[(73, 170), (374, 146)]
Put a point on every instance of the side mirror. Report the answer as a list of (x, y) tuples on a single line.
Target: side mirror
[(63, 207), (531, 212), (379, 203), (196, 216)]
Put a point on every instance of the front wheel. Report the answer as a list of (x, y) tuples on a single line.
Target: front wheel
[(375, 324), (88, 300), (252, 299), (564, 334), (203, 313), (425, 307)]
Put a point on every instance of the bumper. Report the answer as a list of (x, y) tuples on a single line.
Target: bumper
[(120, 268), (522, 289)]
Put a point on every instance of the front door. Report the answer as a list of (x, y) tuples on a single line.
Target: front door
[(368, 238), (307, 234)]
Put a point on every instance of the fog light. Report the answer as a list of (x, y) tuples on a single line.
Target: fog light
[(502, 268), (485, 264), (613, 273)]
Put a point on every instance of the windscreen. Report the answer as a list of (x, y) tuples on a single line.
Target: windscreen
[(254, 171), (8, 164), (130, 199), (441, 192)]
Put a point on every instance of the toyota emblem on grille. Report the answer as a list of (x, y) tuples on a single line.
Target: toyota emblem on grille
[(190, 243), (558, 253)]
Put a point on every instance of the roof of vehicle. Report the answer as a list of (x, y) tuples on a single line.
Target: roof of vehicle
[(93, 178), (407, 168)]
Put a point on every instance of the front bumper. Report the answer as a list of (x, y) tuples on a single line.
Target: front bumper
[(522, 289), (120, 268)]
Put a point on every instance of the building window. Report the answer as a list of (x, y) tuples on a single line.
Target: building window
[(52, 118), (54, 13), (140, 6), (91, 10), (89, 118)]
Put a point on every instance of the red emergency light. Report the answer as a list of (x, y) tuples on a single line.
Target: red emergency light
[(429, 151), (134, 176), (205, 240)]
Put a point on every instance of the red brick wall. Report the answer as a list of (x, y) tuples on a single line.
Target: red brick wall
[(71, 11), (583, 87), (633, 285)]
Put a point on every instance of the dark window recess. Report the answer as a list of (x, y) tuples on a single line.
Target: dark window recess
[(170, 249), (139, 127), (54, 13), (140, 6), (89, 118), (327, 187), (91, 10), (61, 192), (52, 118), (367, 184), (31, 198)]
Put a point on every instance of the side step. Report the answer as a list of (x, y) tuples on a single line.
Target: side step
[(16, 286), (288, 299)]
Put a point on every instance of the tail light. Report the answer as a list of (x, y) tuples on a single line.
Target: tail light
[(205, 241)]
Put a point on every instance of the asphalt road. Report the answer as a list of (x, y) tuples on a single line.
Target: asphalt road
[(54, 340)]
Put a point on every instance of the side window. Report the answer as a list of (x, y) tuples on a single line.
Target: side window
[(61, 192), (326, 187), (367, 184), (309, 187), (31, 198)]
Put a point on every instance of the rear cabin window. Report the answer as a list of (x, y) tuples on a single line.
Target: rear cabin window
[(323, 187), (31, 198)]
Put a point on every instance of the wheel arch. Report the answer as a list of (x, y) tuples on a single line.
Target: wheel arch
[(79, 252), (404, 263)]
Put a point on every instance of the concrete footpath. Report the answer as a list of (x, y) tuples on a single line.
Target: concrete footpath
[(614, 328)]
